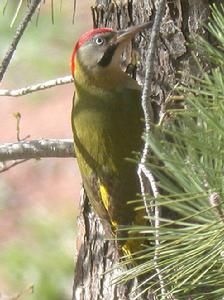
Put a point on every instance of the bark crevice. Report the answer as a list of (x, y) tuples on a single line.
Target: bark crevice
[(183, 19)]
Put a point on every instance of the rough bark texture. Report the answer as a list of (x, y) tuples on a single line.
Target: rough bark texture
[(183, 19), (96, 257)]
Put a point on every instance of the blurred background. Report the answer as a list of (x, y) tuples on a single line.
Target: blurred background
[(39, 199)]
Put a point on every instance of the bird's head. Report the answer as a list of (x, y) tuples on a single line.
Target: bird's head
[(101, 48)]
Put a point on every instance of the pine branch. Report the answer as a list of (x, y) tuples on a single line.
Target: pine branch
[(37, 87), (37, 149), (19, 33)]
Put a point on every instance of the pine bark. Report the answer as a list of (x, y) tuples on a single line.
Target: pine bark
[(183, 19)]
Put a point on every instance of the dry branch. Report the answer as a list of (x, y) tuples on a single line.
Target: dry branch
[(19, 33), (37, 87), (37, 149), (143, 171)]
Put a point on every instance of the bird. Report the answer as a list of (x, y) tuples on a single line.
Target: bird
[(107, 124)]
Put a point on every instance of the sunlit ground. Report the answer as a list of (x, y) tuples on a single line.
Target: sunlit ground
[(39, 199)]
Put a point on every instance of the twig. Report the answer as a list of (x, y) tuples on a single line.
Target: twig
[(5, 6), (18, 119), (52, 11), (216, 203), (143, 171), (37, 149), (29, 290), (16, 13), (74, 10), (38, 13), (37, 87), (19, 33), (5, 167)]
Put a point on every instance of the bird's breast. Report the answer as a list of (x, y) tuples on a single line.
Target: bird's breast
[(108, 127)]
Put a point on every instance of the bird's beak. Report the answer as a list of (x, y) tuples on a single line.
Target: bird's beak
[(127, 34)]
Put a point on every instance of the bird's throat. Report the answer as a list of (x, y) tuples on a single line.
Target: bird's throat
[(102, 78), (108, 56)]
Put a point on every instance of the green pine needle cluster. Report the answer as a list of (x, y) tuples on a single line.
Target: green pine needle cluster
[(188, 163)]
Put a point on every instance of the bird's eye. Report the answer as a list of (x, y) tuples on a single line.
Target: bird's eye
[(99, 41)]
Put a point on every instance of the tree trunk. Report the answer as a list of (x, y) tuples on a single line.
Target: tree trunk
[(94, 278)]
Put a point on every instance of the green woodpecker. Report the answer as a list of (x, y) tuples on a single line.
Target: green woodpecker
[(107, 123)]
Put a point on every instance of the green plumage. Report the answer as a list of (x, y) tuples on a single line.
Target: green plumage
[(107, 130), (107, 123)]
